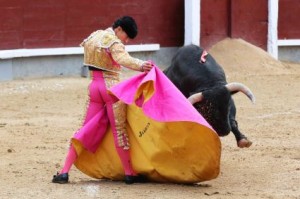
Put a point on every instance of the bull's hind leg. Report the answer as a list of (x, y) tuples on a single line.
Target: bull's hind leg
[(241, 139)]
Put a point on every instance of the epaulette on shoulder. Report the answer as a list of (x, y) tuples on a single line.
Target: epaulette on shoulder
[(108, 39)]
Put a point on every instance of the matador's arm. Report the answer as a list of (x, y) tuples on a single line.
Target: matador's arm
[(122, 57)]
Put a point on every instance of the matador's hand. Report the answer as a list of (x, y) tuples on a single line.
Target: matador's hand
[(147, 66)]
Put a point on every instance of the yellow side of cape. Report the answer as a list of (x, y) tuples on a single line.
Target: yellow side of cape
[(179, 152)]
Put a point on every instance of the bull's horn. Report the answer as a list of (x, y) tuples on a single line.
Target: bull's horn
[(234, 86), (197, 97)]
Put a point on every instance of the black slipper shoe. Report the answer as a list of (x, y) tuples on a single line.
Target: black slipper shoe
[(61, 178), (135, 179)]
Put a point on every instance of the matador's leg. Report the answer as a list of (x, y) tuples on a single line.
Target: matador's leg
[(117, 118)]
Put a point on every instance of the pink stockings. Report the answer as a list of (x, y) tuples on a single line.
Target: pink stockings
[(117, 117), (70, 159), (123, 154)]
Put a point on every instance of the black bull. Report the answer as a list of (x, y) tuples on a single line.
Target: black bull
[(202, 80)]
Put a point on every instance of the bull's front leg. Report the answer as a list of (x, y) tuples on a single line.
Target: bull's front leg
[(241, 139)]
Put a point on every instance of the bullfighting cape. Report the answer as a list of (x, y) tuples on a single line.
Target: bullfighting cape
[(169, 140)]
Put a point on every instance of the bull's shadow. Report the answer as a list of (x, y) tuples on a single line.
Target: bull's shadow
[(202, 80)]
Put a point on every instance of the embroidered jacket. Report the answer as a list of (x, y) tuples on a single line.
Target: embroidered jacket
[(103, 50)]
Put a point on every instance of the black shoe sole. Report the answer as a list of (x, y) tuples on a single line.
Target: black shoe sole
[(60, 182)]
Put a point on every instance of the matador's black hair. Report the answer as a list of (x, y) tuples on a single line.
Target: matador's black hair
[(128, 24)]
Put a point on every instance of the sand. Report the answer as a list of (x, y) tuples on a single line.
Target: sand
[(38, 116)]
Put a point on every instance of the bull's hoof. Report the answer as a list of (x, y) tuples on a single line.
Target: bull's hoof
[(244, 143)]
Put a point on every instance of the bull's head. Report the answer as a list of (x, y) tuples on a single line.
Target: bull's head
[(214, 105)]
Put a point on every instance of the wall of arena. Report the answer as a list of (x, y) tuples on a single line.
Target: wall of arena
[(41, 38)]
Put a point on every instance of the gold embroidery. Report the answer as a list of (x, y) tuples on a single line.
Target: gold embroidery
[(121, 56), (107, 40), (111, 79), (96, 51), (103, 50), (120, 110)]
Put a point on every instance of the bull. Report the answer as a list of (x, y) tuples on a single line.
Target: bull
[(202, 80)]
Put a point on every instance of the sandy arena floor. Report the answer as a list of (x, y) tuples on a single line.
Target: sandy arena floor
[(39, 116)]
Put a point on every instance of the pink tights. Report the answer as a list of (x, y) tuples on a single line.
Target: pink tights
[(70, 159), (96, 99), (123, 154)]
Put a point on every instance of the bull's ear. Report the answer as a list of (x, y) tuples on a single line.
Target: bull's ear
[(197, 97)]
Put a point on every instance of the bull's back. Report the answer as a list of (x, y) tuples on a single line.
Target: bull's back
[(190, 75)]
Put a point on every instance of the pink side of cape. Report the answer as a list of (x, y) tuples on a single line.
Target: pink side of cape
[(167, 103)]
